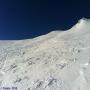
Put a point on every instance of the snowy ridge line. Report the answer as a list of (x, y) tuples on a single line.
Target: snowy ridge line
[(53, 62)]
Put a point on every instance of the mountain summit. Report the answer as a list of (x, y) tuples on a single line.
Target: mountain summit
[(56, 61), (82, 24)]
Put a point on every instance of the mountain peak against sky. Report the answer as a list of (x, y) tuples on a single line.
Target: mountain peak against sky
[(56, 61), (84, 20), (82, 24)]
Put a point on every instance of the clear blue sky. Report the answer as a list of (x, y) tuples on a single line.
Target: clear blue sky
[(22, 19)]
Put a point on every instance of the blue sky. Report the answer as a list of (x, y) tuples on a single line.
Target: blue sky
[(23, 19)]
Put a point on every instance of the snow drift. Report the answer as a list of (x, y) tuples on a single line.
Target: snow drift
[(59, 60)]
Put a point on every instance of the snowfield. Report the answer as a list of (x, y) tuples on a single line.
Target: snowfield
[(59, 60)]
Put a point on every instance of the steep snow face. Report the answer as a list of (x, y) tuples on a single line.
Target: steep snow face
[(56, 61)]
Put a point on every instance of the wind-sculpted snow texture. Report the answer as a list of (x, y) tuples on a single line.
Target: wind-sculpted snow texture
[(59, 60)]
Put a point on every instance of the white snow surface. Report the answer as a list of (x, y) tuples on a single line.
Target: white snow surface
[(59, 60)]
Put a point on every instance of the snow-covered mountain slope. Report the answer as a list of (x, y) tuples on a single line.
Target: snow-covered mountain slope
[(59, 60)]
